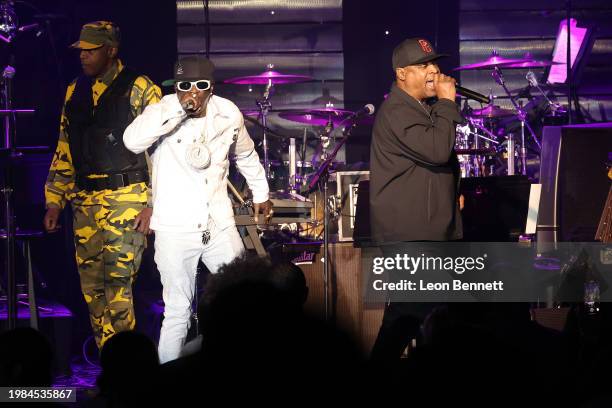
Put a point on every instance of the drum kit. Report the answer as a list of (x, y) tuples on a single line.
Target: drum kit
[(326, 118), (483, 145)]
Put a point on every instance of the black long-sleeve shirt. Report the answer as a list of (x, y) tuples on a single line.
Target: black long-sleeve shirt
[(414, 171)]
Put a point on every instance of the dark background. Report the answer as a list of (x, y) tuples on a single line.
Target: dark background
[(367, 50)]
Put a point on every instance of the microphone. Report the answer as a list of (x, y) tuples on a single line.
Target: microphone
[(188, 105), (531, 78), (533, 82), (468, 93), (366, 110)]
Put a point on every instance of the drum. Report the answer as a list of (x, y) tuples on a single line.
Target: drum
[(474, 152)]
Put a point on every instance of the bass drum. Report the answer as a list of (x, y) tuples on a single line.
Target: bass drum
[(315, 229)]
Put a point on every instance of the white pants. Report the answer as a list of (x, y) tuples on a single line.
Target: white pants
[(177, 255)]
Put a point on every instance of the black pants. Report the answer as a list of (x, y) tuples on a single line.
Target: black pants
[(402, 320)]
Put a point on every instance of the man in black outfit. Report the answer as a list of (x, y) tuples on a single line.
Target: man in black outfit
[(414, 175)]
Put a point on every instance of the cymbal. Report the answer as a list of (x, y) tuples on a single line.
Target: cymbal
[(559, 88), (480, 152), (492, 111), (267, 77), (317, 117), (251, 113), (321, 117), (531, 64), (493, 61)]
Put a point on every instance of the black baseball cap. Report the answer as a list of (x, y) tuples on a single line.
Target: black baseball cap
[(413, 51), (192, 68)]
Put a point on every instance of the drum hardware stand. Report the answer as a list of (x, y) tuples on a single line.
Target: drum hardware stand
[(264, 107), (326, 139), (321, 178), (476, 160), (522, 116), (303, 156), (491, 137), (510, 149), (292, 167), (523, 147), (295, 179)]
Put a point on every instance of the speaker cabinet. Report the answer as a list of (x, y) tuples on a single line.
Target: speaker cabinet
[(347, 309), (574, 181)]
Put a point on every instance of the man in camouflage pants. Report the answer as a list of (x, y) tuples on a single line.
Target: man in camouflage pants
[(106, 184)]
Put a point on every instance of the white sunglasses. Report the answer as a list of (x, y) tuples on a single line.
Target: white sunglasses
[(201, 85)]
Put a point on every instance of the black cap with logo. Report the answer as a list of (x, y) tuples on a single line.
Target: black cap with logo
[(192, 68), (413, 51)]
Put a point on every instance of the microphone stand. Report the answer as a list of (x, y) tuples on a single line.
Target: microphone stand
[(321, 178), (9, 155), (554, 107)]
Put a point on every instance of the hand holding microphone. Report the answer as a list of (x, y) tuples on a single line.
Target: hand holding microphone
[(194, 105), (190, 103), (189, 106), (444, 86)]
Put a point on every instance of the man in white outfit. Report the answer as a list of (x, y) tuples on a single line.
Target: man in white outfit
[(190, 135)]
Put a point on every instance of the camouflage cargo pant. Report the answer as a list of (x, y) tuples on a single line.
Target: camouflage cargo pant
[(108, 254)]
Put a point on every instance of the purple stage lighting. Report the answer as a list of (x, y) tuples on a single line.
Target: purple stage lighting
[(558, 72)]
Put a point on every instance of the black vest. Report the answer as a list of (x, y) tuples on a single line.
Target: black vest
[(95, 134)]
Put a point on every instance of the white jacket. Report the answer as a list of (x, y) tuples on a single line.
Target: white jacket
[(184, 197)]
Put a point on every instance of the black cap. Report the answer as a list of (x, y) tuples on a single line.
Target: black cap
[(192, 68), (413, 51)]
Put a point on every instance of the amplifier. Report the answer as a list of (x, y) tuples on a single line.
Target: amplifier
[(347, 184)]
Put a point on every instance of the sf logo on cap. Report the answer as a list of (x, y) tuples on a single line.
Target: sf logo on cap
[(425, 46), (179, 69)]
